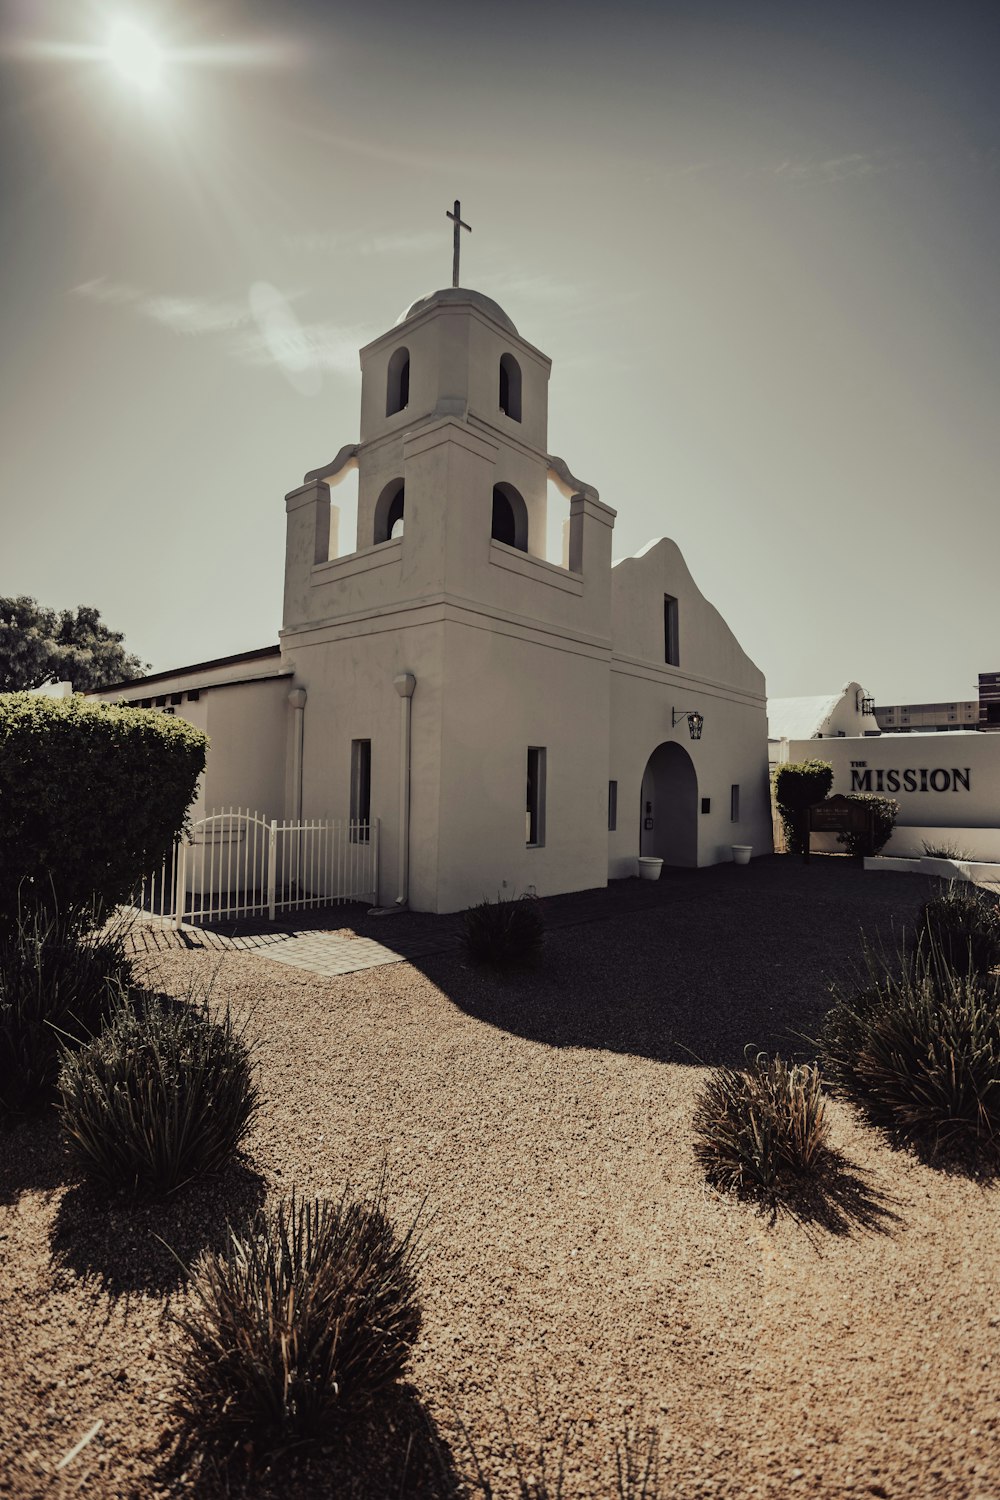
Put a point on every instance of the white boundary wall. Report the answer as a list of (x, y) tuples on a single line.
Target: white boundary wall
[(947, 785)]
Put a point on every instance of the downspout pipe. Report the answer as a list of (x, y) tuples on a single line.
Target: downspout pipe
[(297, 702), (404, 685)]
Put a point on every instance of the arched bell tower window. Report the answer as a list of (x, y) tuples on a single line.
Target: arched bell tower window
[(389, 512), (397, 393), (510, 387), (510, 517)]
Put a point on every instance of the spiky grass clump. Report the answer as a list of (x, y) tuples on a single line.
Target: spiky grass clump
[(919, 1053), (303, 1321), (761, 1130), (962, 927), (163, 1094), (505, 933), (58, 985)]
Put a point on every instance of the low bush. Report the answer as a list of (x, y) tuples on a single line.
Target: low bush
[(962, 925), (798, 785), (884, 812), (302, 1322), (918, 1052), (506, 933), (163, 1094), (761, 1130), (57, 988)]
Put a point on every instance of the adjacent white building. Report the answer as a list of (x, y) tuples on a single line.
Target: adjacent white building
[(512, 722)]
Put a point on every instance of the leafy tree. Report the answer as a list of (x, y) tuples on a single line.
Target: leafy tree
[(69, 645)]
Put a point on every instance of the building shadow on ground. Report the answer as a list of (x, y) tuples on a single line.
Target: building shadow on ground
[(695, 968)]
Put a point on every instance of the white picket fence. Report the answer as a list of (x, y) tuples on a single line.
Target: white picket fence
[(234, 863)]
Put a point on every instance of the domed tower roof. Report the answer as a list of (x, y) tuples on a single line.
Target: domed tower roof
[(459, 294)]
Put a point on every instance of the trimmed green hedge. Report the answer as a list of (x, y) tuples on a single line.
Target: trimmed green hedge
[(884, 813), (797, 786), (91, 797)]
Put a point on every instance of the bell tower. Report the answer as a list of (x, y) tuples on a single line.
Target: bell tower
[(455, 354)]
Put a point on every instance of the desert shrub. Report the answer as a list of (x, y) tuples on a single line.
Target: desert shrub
[(918, 1051), (885, 810), (299, 1323), (91, 798), (506, 933), (797, 786), (163, 1094), (57, 988), (962, 925), (760, 1130), (944, 849)]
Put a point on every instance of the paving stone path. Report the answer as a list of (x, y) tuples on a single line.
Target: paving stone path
[(331, 953)]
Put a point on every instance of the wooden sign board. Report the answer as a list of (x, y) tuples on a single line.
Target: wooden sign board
[(838, 815)]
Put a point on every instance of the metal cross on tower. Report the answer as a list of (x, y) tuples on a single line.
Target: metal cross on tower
[(459, 226)]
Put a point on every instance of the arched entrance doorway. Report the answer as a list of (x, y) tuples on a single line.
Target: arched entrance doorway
[(670, 804)]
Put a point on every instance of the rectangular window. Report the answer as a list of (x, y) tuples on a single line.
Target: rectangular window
[(361, 790), (734, 804), (671, 654), (535, 815), (612, 806)]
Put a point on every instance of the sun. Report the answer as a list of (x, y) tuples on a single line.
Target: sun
[(136, 55)]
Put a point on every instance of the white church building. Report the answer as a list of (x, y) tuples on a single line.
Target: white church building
[(511, 722)]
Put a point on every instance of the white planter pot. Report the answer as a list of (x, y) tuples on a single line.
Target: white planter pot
[(741, 853), (649, 868)]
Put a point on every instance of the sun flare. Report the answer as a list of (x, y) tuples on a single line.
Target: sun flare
[(136, 55)]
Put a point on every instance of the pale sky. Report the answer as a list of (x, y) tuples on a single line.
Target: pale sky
[(759, 241)]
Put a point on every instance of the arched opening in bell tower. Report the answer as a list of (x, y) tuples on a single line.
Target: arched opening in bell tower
[(510, 517), (389, 512), (397, 394), (510, 387)]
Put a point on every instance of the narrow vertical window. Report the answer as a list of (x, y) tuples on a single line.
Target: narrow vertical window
[(612, 806), (397, 390), (510, 387), (734, 804), (535, 815), (361, 790), (671, 654)]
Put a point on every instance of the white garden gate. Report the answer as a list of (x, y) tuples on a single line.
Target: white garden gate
[(235, 863)]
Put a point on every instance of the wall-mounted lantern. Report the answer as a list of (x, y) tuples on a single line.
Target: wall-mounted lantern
[(695, 720)]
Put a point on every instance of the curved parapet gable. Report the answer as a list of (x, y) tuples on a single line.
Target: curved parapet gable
[(333, 472), (704, 645), (566, 482)]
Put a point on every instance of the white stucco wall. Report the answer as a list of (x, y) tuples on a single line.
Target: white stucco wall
[(925, 773), (714, 677)]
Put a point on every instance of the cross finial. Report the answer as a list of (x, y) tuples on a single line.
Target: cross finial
[(459, 226)]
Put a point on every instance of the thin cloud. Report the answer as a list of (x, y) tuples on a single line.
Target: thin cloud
[(114, 293), (534, 287), (195, 315), (260, 330), (853, 164), (357, 242), (307, 346), (185, 315)]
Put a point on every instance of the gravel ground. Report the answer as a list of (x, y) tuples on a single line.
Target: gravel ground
[(578, 1277)]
